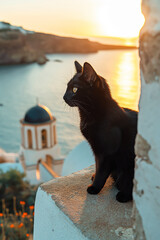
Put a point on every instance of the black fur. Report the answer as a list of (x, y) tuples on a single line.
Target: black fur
[(109, 129)]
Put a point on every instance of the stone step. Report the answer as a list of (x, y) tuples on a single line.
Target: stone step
[(65, 211)]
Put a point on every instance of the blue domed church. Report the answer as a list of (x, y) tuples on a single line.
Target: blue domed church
[(39, 152)]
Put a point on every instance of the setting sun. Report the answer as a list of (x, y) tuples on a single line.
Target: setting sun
[(120, 18), (114, 18)]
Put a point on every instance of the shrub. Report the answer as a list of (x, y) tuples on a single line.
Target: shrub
[(12, 184), (17, 197)]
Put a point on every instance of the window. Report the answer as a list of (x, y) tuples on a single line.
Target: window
[(22, 136), (54, 135), (29, 138), (44, 138)]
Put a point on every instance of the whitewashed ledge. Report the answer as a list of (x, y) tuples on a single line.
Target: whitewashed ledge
[(64, 211)]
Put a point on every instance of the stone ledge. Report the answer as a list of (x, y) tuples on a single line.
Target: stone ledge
[(64, 211)]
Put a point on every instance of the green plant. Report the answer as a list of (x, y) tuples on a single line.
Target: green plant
[(12, 184)]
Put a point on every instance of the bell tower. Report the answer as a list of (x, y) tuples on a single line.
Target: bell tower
[(39, 140)]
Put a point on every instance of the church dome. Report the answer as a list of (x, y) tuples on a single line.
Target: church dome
[(38, 114)]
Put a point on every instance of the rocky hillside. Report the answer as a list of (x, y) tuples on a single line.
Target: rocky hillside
[(21, 46)]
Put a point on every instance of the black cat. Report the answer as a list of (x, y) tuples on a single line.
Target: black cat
[(109, 129)]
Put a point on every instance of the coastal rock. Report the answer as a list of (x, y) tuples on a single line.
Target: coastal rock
[(14, 49), (18, 45), (42, 60)]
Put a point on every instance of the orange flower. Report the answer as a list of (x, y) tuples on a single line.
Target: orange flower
[(12, 225), (1, 224), (31, 207), (22, 202), (24, 214), (27, 234), (1, 214), (20, 225), (17, 214)]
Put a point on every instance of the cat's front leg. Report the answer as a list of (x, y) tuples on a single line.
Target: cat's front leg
[(103, 170)]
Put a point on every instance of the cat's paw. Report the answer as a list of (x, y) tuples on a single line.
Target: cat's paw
[(121, 197), (93, 176), (92, 190)]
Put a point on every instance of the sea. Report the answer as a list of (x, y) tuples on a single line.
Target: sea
[(21, 86)]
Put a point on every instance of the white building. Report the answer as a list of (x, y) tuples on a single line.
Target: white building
[(79, 158), (39, 151), (8, 157)]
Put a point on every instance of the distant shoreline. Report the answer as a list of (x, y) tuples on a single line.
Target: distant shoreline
[(18, 46)]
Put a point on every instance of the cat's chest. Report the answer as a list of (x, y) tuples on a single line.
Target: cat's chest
[(88, 129)]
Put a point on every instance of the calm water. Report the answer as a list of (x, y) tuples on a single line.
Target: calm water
[(21, 85)]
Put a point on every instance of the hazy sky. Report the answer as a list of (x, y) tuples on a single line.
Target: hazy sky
[(120, 18)]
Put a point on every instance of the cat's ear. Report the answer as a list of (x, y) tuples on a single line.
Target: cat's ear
[(78, 67), (89, 74)]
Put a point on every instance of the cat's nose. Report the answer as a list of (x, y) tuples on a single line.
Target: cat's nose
[(65, 97)]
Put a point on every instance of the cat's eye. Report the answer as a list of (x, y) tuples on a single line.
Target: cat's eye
[(75, 89)]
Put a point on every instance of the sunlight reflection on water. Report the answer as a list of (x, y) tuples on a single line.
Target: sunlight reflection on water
[(126, 83)]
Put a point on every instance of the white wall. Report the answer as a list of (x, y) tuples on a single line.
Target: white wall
[(147, 171), (51, 223), (45, 176), (32, 156)]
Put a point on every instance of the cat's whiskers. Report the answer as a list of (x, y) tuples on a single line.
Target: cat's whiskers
[(79, 104)]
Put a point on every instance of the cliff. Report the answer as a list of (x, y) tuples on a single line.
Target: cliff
[(15, 48), (21, 46)]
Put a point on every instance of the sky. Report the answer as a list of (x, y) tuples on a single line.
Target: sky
[(114, 18)]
